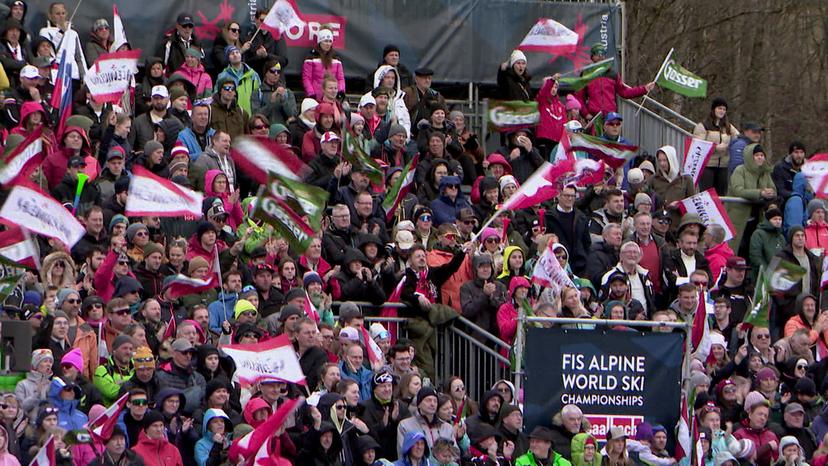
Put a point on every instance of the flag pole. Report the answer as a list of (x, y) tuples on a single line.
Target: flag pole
[(660, 70), (221, 284), (73, 12), (591, 65), (488, 222)]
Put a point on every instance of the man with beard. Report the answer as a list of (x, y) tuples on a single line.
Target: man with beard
[(785, 170), (143, 128), (489, 413), (382, 414), (150, 312)]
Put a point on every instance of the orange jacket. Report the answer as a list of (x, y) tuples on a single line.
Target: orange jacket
[(86, 340), (450, 291)]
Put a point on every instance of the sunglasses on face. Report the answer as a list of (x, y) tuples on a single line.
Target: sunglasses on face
[(468, 222), (802, 366), (614, 123), (763, 336), (60, 264), (73, 301), (491, 240), (665, 221), (50, 410), (700, 283), (142, 233), (228, 88), (250, 335), (453, 186), (139, 402), (425, 218), (123, 262), (187, 26), (338, 407), (234, 29), (249, 314), (274, 70), (259, 127), (450, 236), (121, 312), (729, 390)]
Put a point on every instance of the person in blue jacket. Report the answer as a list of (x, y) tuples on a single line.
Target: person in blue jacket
[(414, 450), (446, 207), (796, 205), (66, 398), (751, 134), (216, 435)]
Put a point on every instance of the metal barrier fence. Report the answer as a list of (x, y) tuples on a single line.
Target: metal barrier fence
[(649, 131)]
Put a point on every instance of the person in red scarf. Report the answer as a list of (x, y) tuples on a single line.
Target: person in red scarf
[(421, 294)]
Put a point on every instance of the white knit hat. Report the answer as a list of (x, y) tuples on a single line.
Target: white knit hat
[(308, 104), (516, 56)]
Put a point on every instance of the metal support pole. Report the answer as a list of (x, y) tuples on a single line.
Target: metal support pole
[(609, 322), (518, 349)]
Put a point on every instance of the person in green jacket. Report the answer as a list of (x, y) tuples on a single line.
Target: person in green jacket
[(247, 80), (585, 450), (766, 241), (118, 369), (540, 450), (752, 182)]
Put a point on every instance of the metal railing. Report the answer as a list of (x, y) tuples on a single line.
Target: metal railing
[(649, 130)]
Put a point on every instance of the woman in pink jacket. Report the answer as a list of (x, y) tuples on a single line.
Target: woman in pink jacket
[(552, 116), (321, 61), (816, 230), (507, 315), (193, 71), (215, 185)]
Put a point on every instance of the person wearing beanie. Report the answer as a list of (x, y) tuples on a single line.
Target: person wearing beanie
[(148, 272), (796, 252), (816, 228), (115, 450), (153, 446), (424, 420), (117, 370), (643, 202), (511, 429), (71, 371), (391, 57), (513, 78), (584, 447), (247, 81), (35, 386), (227, 302), (752, 182), (766, 241), (304, 122), (322, 60), (274, 100), (786, 169)]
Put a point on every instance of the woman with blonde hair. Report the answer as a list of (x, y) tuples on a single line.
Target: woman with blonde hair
[(58, 270)]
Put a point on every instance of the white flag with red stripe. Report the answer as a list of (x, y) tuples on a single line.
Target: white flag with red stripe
[(182, 285), (254, 447), (102, 426), (150, 195), (46, 455), (40, 213), (684, 443), (283, 15), (310, 309), (20, 161), (700, 333), (111, 75), (269, 359), (816, 172), (18, 247), (372, 348), (550, 36), (117, 31), (257, 157), (710, 209), (696, 154), (548, 180)]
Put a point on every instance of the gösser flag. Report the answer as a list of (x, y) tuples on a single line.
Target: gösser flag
[(274, 358), (41, 214), (151, 195), (257, 157), (681, 81), (696, 154), (550, 36), (709, 208), (306, 200), (111, 74)]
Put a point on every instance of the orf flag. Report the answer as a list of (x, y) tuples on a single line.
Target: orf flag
[(117, 30), (709, 208), (101, 427), (696, 154), (182, 285), (550, 36), (700, 333), (283, 15), (18, 247), (46, 455), (23, 158), (153, 196), (257, 157), (274, 358), (41, 214), (62, 92), (111, 75), (816, 172)]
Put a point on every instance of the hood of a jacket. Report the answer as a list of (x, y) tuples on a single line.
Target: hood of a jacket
[(578, 443), (211, 414), (410, 439), (54, 396), (251, 407), (507, 253), (28, 108), (381, 72), (672, 161), (167, 393), (750, 164), (209, 177), (484, 401), (801, 188)]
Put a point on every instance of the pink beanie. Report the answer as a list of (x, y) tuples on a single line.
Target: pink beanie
[(95, 412), (572, 103), (753, 398), (73, 358)]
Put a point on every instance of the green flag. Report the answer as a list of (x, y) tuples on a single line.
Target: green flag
[(354, 154), (681, 81), (293, 208), (7, 285), (759, 315), (304, 199), (588, 74), (783, 275), (511, 115)]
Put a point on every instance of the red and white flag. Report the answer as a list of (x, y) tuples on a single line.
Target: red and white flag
[(397, 293), (254, 447), (372, 348), (614, 154), (816, 172), (40, 213), (150, 195), (119, 35), (548, 180), (310, 309), (710, 209), (400, 188), (171, 329), (182, 285), (283, 15), (684, 444), (700, 333), (101, 427), (18, 247), (550, 36), (26, 156), (46, 455), (696, 154), (269, 359), (257, 157), (823, 282), (111, 75), (549, 273)]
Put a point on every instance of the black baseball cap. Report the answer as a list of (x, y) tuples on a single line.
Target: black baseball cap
[(185, 19)]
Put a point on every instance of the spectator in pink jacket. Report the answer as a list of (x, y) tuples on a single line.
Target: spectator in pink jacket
[(816, 230), (552, 116), (321, 61), (215, 185), (507, 314), (717, 252), (600, 93), (193, 71)]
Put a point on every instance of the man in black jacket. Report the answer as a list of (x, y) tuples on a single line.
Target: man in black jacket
[(176, 44), (681, 262), (311, 356), (340, 236), (604, 255), (382, 414), (571, 227)]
